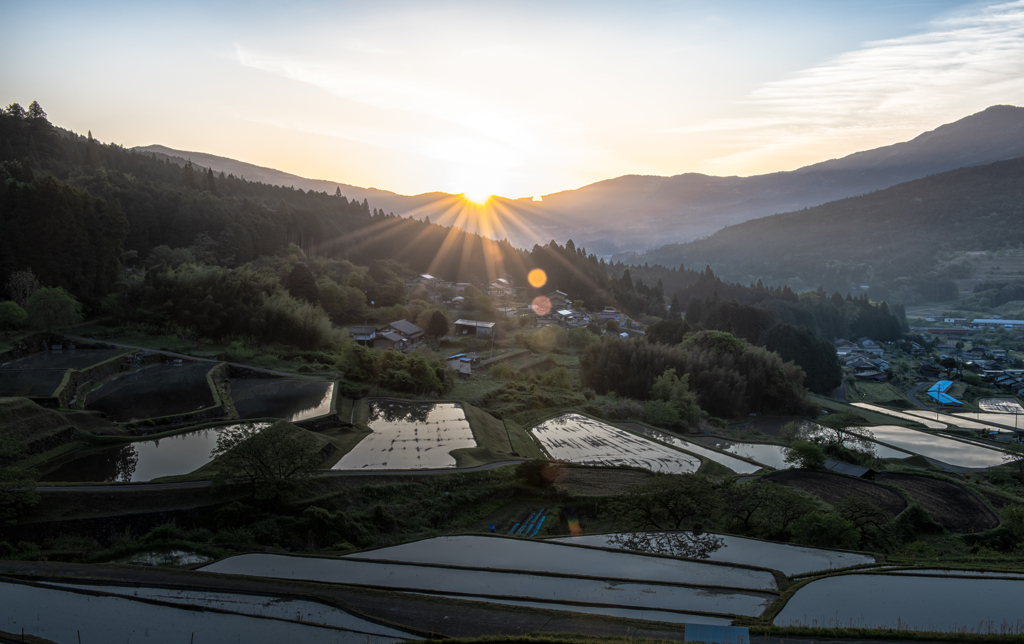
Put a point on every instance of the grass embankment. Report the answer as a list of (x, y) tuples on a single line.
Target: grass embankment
[(875, 393), (873, 417)]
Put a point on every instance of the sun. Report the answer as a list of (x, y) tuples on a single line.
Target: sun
[(478, 197)]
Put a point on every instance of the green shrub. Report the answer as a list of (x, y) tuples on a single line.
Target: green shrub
[(826, 530)]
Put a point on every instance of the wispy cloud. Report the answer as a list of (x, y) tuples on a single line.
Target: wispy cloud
[(882, 91)]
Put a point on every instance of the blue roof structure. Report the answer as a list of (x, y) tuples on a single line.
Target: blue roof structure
[(945, 399), (941, 386)]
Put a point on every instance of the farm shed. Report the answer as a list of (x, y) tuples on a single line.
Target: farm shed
[(473, 327), (849, 469)]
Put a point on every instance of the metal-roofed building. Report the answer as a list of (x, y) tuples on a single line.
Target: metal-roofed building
[(473, 327)]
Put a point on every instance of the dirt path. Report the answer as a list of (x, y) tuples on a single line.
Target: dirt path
[(130, 487), (183, 356)]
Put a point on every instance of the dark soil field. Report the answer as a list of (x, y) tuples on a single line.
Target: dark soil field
[(833, 488), (588, 481), (952, 506)]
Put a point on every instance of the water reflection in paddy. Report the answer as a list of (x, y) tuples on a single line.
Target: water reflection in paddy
[(70, 359), (142, 460), (292, 400), (68, 617), (578, 439), (159, 390), (30, 382), (764, 453), (735, 464), (908, 602), (409, 437), (940, 448)]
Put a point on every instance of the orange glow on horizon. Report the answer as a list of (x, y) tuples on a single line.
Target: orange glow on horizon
[(477, 197)]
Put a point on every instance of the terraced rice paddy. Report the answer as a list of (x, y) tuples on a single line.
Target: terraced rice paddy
[(930, 424), (737, 465), (151, 392), (291, 400), (947, 450), (1006, 420), (553, 557), (791, 560), (908, 602), (500, 584), (273, 607), (1000, 405), (62, 360), (410, 437), (881, 451), (764, 453), (142, 460), (30, 382), (67, 616), (577, 439), (962, 422)]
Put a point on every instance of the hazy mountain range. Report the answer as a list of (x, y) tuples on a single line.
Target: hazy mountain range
[(635, 213)]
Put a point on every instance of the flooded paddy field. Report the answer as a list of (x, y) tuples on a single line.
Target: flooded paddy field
[(258, 605), (947, 450), (409, 436), (69, 359), (930, 424), (66, 616), (30, 382), (578, 439), (556, 557), (952, 506), (764, 453), (291, 400), (141, 460), (833, 488), (610, 611), (151, 392), (498, 584), (961, 421), (1000, 405), (735, 464), (880, 450), (908, 602), (790, 559)]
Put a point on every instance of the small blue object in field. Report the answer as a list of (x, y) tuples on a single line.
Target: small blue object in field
[(492, 527), (717, 634)]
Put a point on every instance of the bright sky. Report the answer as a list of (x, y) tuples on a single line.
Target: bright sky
[(514, 98)]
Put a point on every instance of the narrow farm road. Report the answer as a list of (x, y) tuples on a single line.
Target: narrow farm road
[(135, 487), (183, 356)]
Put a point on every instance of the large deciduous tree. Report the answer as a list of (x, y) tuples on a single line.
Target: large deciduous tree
[(270, 459), (53, 308)]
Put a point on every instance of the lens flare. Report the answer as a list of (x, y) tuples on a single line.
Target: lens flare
[(574, 523), (537, 278), (541, 305)]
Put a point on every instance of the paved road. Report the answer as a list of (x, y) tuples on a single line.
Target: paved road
[(135, 487), (910, 396)]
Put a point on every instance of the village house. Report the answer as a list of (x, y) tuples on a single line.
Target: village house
[(363, 335), (473, 327), (559, 300)]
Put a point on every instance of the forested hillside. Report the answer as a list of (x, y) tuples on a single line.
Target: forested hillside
[(895, 240), (74, 211)]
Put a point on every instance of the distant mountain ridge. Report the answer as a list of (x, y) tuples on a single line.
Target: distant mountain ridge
[(633, 213), (901, 242)]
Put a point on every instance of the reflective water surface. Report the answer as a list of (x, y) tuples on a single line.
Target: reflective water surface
[(509, 584), (70, 359), (141, 460), (67, 617), (150, 392), (578, 439), (941, 448), (735, 464), (30, 382), (410, 437), (545, 556), (790, 559), (908, 602), (292, 400)]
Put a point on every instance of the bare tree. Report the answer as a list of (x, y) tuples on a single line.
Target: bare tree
[(21, 285)]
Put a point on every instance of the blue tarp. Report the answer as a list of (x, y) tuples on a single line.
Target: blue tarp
[(717, 634)]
